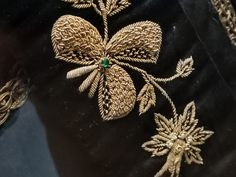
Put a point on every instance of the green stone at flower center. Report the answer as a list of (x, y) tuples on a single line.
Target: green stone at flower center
[(105, 63)]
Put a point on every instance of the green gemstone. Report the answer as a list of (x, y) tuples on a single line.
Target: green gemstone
[(105, 63)]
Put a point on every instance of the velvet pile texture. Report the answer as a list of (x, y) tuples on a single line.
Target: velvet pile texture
[(73, 140)]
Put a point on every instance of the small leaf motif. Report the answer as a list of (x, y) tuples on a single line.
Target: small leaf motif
[(185, 67), (147, 98), (187, 121), (80, 4), (115, 6), (164, 125)]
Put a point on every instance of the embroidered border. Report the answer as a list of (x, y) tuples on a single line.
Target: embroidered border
[(227, 17), (12, 96)]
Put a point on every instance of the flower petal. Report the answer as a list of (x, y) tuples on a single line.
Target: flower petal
[(88, 81), (94, 85), (185, 67), (139, 42), (76, 40), (117, 94), (80, 71)]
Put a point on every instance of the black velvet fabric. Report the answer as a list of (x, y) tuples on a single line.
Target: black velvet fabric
[(80, 142)]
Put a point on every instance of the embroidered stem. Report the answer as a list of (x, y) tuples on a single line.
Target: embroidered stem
[(149, 78), (104, 14), (167, 79), (156, 79), (96, 9), (167, 97), (105, 27)]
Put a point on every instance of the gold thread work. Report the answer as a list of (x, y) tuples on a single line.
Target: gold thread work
[(103, 59), (12, 96), (179, 138), (77, 41), (227, 17)]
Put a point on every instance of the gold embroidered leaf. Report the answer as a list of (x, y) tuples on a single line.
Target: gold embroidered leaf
[(117, 94), (115, 6), (187, 121), (138, 42), (185, 67), (76, 40), (156, 146), (80, 3), (193, 155), (147, 98), (164, 125), (199, 136)]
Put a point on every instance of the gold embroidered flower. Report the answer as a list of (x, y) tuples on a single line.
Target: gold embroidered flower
[(77, 41), (178, 137)]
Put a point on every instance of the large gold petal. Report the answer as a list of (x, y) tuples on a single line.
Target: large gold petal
[(138, 42), (117, 94), (76, 40)]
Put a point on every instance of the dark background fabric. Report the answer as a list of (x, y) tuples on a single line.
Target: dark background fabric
[(81, 144)]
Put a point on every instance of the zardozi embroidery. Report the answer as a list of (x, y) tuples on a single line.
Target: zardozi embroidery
[(227, 17), (12, 96), (105, 59), (179, 138), (77, 41)]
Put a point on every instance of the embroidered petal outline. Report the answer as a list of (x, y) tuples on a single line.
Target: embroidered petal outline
[(117, 94), (130, 43), (76, 40)]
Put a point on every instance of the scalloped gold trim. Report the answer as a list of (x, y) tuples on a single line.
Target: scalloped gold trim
[(227, 17), (12, 96)]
